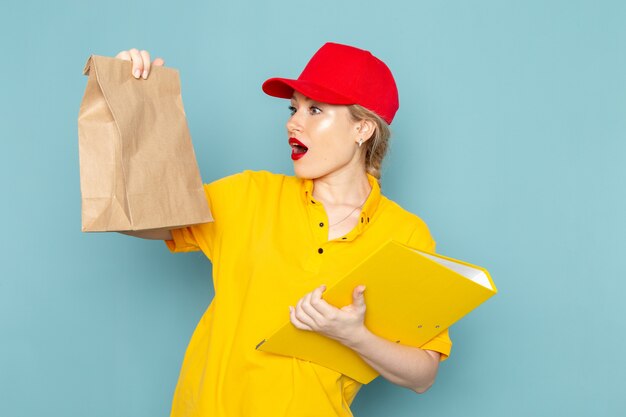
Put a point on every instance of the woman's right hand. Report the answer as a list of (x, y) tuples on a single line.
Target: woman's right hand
[(141, 62)]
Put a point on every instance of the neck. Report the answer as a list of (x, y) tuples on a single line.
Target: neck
[(349, 189)]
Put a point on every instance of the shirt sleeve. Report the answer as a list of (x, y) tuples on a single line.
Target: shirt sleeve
[(196, 237), (183, 240), (227, 198), (440, 343), (421, 239)]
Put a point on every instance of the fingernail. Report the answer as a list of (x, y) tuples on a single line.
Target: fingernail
[(145, 75), (137, 73)]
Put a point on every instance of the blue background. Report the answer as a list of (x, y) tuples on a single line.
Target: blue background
[(510, 143)]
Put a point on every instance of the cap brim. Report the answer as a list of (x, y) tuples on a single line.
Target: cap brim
[(284, 88)]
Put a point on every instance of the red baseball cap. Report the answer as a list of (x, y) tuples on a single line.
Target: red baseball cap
[(342, 74)]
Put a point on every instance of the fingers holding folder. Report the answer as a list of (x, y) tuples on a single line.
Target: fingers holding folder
[(344, 324)]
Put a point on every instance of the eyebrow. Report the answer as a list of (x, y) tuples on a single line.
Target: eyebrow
[(307, 100)]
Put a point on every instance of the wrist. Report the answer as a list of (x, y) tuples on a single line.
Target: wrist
[(358, 339)]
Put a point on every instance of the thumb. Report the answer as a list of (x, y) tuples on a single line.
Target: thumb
[(357, 296)]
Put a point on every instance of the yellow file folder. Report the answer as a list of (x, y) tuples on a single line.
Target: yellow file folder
[(411, 296)]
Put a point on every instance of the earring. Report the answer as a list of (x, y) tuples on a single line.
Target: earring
[(360, 142)]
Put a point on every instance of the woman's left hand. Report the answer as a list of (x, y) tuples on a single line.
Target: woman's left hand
[(342, 324), (407, 366)]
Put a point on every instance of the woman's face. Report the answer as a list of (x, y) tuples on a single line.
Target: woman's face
[(323, 139)]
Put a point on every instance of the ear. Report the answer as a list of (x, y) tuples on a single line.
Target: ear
[(366, 129)]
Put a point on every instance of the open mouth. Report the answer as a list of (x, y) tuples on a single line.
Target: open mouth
[(298, 150)]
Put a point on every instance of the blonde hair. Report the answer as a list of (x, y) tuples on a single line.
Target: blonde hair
[(376, 147)]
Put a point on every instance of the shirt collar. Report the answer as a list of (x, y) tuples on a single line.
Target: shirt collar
[(369, 208)]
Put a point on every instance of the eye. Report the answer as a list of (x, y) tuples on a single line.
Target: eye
[(292, 110), (315, 110)]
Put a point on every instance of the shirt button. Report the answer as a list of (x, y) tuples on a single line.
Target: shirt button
[(321, 224), (320, 250)]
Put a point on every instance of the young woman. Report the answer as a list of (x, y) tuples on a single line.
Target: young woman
[(277, 241)]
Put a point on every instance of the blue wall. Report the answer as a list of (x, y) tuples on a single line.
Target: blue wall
[(510, 143)]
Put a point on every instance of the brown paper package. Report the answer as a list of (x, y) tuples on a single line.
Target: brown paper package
[(138, 169)]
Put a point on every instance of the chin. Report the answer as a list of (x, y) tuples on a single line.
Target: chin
[(306, 173)]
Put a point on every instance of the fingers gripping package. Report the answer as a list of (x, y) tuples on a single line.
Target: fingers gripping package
[(138, 169)]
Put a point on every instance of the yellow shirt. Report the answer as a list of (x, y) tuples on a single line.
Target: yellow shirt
[(269, 246)]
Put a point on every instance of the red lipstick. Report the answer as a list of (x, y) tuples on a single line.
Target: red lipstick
[(298, 150)]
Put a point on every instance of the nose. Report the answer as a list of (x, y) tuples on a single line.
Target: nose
[(294, 124)]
